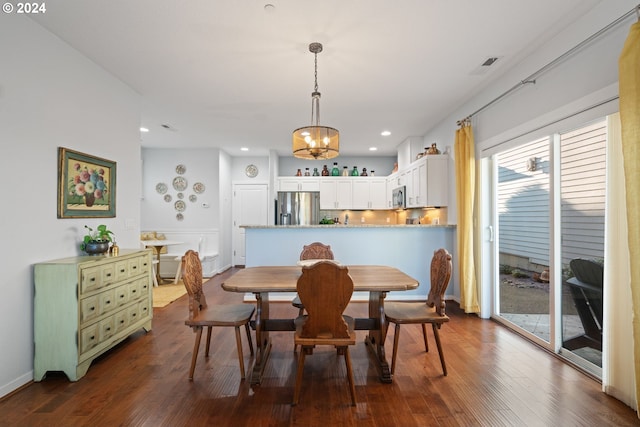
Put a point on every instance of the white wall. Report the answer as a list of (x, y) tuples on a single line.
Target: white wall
[(159, 166), (51, 96)]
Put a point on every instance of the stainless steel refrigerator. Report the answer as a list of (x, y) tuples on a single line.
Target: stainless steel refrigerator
[(298, 208)]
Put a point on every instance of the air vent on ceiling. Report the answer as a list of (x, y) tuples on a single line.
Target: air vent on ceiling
[(489, 61)]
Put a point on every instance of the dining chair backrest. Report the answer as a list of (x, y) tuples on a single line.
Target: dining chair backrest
[(325, 289), (316, 250), (192, 278), (440, 276)]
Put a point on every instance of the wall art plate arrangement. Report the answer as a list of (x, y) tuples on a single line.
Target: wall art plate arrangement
[(180, 205), (179, 216), (193, 198), (180, 195), (198, 187), (161, 188), (167, 198), (180, 183), (181, 169)]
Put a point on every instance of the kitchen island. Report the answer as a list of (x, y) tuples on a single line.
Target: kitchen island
[(406, 247)]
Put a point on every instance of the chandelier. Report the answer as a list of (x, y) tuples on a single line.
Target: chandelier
[(315, 141)]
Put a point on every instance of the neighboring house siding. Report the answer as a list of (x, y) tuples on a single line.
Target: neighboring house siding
[(583, 192), (523, 202), (523, 197)]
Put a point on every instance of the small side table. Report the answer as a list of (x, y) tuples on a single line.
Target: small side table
[(157, 246)]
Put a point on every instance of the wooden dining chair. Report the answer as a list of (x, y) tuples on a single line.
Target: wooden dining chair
[(315, 250), (325, 289), (432, 312), (201, 315)]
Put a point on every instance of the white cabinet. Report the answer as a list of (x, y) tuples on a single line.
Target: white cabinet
[(299, 184), (426, 182), (83, 306), (437, 180), (369, 193), (336, 193)]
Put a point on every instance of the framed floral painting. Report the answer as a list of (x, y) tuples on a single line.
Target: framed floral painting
[(86, 185)]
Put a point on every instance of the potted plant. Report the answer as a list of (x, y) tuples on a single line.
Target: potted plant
[(96, 241)]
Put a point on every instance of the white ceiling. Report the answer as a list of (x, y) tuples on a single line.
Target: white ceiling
[(234, 73)]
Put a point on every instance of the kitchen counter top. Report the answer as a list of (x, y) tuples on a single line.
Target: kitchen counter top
[(334, 226)]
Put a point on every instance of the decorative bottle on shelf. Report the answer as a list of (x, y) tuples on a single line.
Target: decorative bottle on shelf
[(335, 171), (325, 171), (354, 171), (364, 172), (306, 172), (315, 172), (299, 173), (373, 173), (345, 171)]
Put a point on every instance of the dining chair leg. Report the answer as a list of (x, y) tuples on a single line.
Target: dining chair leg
[(246, 326), (240, 355), (196, 347), (352, 386), (206, 353), (437, 336), (396, 338), (296, 393), (424, 335)]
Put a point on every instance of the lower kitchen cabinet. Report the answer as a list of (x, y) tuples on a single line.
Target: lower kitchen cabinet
[(84, 306)]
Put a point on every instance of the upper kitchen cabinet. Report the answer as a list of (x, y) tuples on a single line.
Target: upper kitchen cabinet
[(299, 183), (437, 180), (425, 181), (336, 193), (369, 193)]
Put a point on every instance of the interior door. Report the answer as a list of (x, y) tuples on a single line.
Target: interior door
[(250, 207)]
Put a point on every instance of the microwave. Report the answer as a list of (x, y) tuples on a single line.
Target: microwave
[(398, 199)]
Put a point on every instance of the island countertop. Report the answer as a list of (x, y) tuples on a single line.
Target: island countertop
[(407, 247), (342, 226)]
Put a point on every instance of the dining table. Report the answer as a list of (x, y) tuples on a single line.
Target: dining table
[(377, 280), (157, 246)]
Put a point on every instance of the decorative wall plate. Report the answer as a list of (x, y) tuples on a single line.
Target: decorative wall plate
[(167, 197), (193, 198), (180, 169), (180, 196), (161, 188), (180, 205), (180, 183), (251, 171), (198, 187), (179, 216)]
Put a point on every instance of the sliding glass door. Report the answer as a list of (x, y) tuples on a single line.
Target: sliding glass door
[(549, 241)]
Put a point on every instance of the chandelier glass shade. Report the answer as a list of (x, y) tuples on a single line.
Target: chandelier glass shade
[(316, 141)]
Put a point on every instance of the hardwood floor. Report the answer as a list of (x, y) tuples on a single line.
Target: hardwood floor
[(495, 378)]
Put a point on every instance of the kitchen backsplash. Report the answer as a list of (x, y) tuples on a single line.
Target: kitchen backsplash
[(407, 216)]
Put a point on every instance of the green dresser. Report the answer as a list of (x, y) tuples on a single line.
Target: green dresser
[(85, 305)]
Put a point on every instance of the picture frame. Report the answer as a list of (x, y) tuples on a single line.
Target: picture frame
[(86, 185)]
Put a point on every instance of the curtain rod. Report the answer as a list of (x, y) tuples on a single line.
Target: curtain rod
[(532, 78)]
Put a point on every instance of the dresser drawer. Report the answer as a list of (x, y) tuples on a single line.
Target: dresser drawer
[(89, 338), (89, 309), (122, 294), (106, 328), (107, 301)]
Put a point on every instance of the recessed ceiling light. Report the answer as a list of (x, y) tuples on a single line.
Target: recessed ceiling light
[(373, 148), (385, 133), (244, 149), (144, 129)]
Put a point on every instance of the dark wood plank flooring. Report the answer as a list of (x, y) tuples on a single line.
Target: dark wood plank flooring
[(496, 378)]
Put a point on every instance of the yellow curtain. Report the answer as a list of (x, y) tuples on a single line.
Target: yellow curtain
[(465, 159), (629, 87)]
